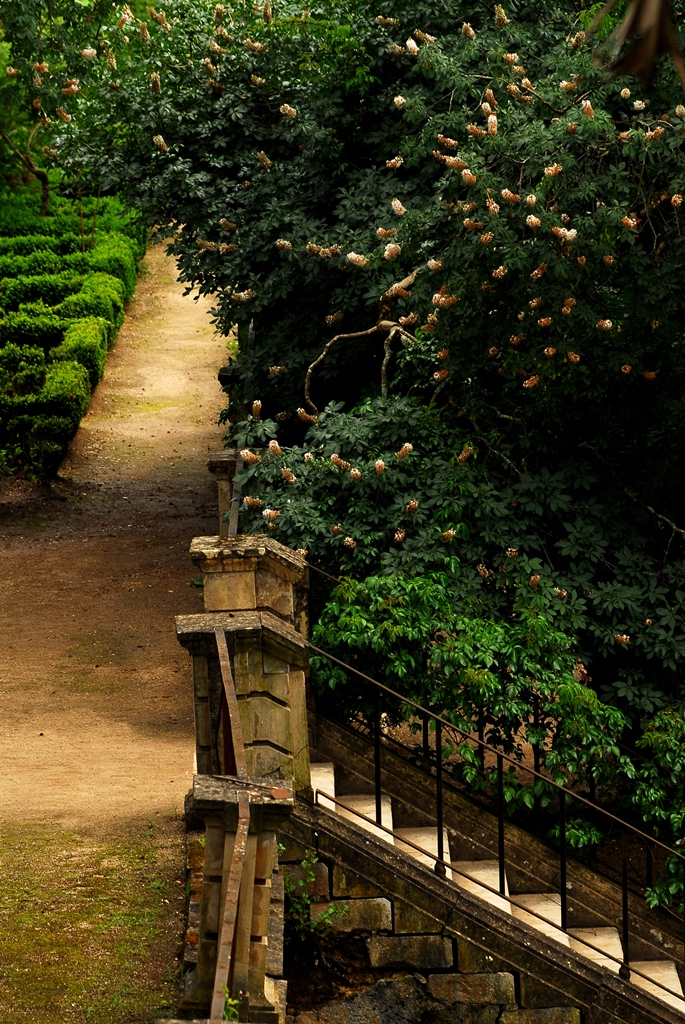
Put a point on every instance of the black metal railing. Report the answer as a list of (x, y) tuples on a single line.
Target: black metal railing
[(564, 796)]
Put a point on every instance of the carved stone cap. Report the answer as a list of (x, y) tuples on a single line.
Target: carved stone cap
[(222, 463), (197, 631), (216, 790), (216, 797), (248, 552)]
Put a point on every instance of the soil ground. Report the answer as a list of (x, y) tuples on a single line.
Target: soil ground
[(96, 718)]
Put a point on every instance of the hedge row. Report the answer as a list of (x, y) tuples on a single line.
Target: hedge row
[(64, 280)]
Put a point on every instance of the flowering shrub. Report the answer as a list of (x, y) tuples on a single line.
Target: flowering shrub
[(453, 233), (240, 149)]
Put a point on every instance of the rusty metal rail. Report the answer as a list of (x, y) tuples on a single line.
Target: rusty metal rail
[(230, 915), (234, 764), (234, 748)]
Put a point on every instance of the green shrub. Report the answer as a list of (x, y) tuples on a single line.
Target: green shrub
[(24, 245), (101, 296), (45, 440), (85, 342), (65, 393), (62, 300), (43, 262), (22, 371), (39, 426), (46, 329), (48, 288), (116, 255), (19, 218)]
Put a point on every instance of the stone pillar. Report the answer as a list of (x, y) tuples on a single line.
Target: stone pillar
[(269, 660), (253, 573), (215, 800), (222, 464), (256, 590)]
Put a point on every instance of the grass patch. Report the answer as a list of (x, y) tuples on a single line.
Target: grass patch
[(91, 929)]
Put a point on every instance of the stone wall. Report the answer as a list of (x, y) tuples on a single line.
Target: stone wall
[(417, 948)]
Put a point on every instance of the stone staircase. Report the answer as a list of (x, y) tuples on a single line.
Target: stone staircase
[(540, 910)]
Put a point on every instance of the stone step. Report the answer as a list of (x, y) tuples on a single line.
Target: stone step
[(546, 905), (427, 839), (605, 939), (323, 779), (663, 971), (473, 875), (365, 803)]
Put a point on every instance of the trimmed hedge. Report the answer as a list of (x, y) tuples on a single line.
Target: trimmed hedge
[(19, 216), (85, 342), (101, 296), (24, 245), (31, 328), (48, 288), (40, 406), (60, 309), (113, 254)]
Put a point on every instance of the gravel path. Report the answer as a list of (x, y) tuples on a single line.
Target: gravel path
[(95, 698)]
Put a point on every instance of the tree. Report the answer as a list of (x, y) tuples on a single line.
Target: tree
[(459, 246)]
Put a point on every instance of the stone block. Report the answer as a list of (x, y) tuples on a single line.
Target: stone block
[(274, 666), (534, 993), (395, 1001), (274, 593), (274, 954), (318, 888), (211, 905), (257, 970), (214, 850), (410, 919), (297, 700), (200, 676), (472, 959), (548, 1015), (347, 883), (495, 988), (261, 903), (294, 850), (230, 591), (374, 915), (203, 730), (265, 721), (249, 675), (263, 761), (416, 951), (206, 966)]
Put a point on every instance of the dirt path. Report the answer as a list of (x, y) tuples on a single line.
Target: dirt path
[(95, 702)]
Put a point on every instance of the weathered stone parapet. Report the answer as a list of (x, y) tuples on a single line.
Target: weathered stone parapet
[(269, 661), (253, 573), (215, 801)]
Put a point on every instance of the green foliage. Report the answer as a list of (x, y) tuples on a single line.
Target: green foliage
[(298, 903), (100, 296), (61, 305), (512, 683), (47, 288), (66, 392), (580, 833), (85, 342), (565, 545), (539, 374), (43, 327), (231, 1006)]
